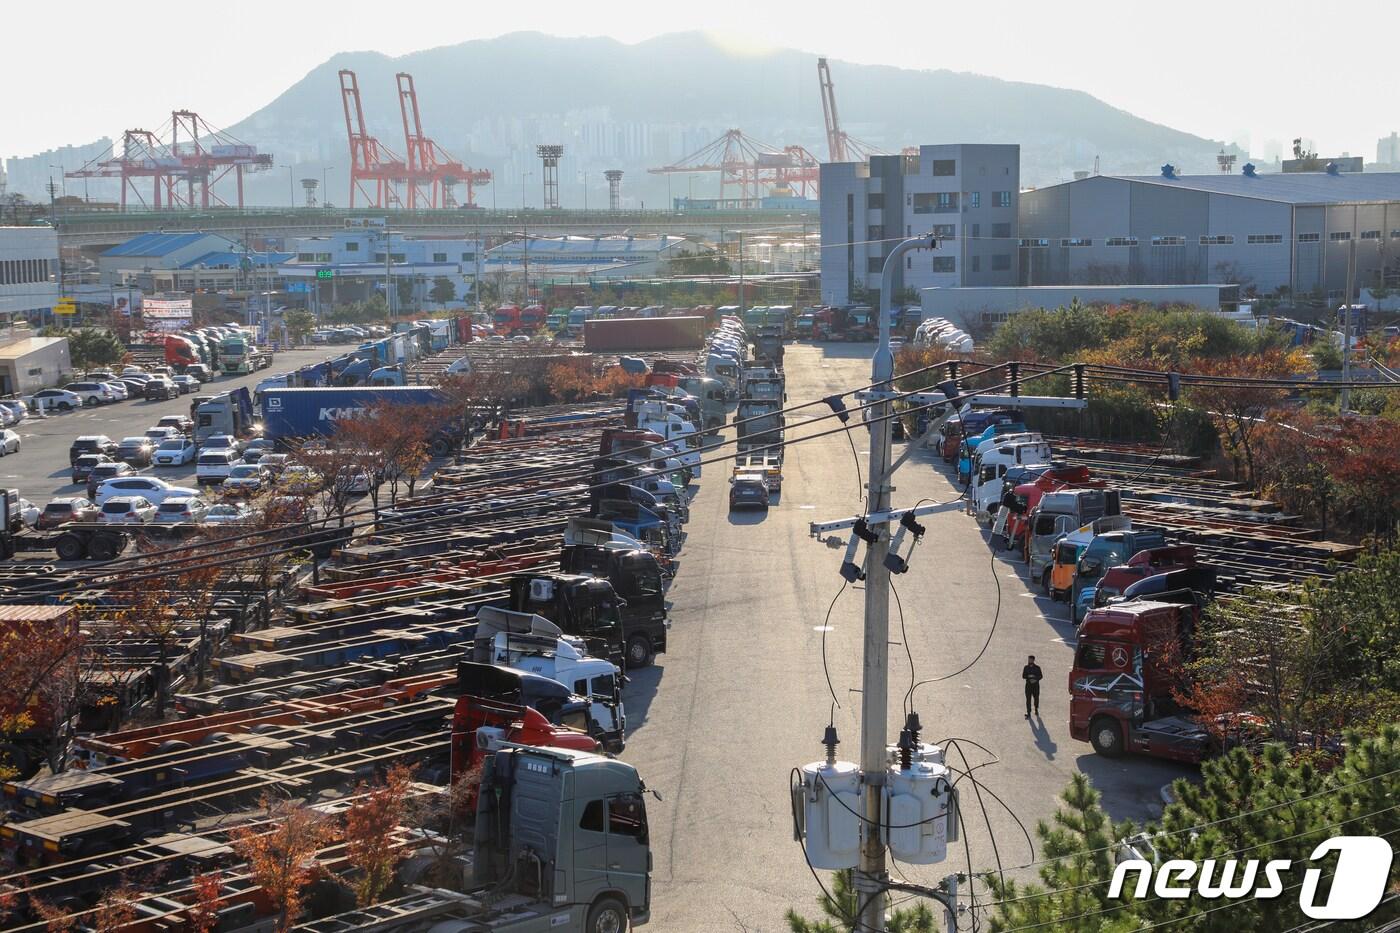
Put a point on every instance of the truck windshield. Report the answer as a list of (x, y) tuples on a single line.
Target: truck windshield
[(1045, 524), (1064, 553)]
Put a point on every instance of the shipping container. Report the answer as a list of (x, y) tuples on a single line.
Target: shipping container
[(658, 333)]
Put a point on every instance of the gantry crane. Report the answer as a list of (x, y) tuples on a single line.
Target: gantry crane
[(432, 171), (370, 160), (184, 173), (841, 146), (751, 166)]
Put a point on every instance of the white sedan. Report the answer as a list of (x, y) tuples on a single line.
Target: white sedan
[(56, 400), (175, 451), (127, 510), (9, 442)]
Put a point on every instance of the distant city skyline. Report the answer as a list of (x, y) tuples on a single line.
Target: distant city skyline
[(1255, 76)]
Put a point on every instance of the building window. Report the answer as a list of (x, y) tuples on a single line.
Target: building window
[(1120, 241), (1001, 199), (1034, 244), (352, 247), (1076, 241), (1001, 231), (946, 201), (945, 167), (924, 203), (1339, 236), (948, 231), (874, 265), (1264, 239), (875, 201), (976, 263), (1395, 234), (469, 257), (306, 257), (1309, 237), (977, 231), (1001, 262), (974, 199), (1370, 234), (37, 371), (909, 262), (875, 232), (1219, 239), (945, 264), (439, 257), (1169, 241)]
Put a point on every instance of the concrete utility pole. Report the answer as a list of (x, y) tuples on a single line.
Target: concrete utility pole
[(741, 271), (1346, 317), (871, 876)]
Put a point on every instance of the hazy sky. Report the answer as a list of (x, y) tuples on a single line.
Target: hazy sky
[(1244, 72)]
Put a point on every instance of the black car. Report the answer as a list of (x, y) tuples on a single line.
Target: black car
[(748, 492), (84, 464), (136, 451), (160, 388), (91, 444)]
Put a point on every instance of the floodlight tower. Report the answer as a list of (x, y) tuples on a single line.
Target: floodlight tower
[(614, 177), (309, 185), (549, 155)]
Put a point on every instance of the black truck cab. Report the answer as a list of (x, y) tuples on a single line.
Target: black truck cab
[(636, 580), (580, 605)]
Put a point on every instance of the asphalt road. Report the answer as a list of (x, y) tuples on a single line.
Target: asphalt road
[(41, 471), (741, 697)]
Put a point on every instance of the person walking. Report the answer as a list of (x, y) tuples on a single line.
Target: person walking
[(1031, 674)]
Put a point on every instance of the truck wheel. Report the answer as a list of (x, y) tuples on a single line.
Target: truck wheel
[(104, 547), (607, 915), (70, 547), (1106, 736), (639, 652), (1045, 582), (440, 447)]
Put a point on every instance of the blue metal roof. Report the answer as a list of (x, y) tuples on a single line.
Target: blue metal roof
[(228, 259), (1288, 187), (154, 244)]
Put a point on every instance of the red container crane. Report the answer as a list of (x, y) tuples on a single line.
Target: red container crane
[(372, 163), (432, 171)]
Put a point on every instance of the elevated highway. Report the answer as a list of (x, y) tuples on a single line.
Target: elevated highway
[(100, 229)]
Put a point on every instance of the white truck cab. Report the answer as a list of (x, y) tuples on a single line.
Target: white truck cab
[(990, 464)]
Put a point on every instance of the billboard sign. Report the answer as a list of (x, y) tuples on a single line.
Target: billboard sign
[(167, 314)]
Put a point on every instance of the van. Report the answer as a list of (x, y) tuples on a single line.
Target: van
[(1105, 551), (213, 466)]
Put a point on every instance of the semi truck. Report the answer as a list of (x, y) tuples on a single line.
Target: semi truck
[(304, 412), (239, 354), (656, 333), (228, 413), (1126, 666)]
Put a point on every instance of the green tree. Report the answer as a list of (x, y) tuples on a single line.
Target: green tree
[(299, 323), (90, 347), (1264, 806), (840, 908), (403, 287), (443, 290)]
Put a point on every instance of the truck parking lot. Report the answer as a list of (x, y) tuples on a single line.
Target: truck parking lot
[(741, 695), (40, 471)]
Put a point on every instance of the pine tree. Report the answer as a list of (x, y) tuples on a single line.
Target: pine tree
[(840, 906)]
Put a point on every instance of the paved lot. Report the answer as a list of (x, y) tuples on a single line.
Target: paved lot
[(741, 699), (40, 470)]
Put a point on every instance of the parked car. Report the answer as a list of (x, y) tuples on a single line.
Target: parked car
[(7, 418), (127, 510), (273, 463), (175, 451), (180, 423), (748, 491), (91, 393), (9, 442), (259, 443), (199, 371), (85, 465), (105, 471), (15, 407), (100, 375), (57, 400), (119, 390), (245, 478), (28, 513), (160, 389), (299, 479), (133, 370), (185, 383), (134, 387), (179, 510), (229, 513), (63, 511), (91, 444), (137, 451), (214, 466), (156, 490), (223, 442), (161, 433)]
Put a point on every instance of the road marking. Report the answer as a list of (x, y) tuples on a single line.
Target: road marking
[(806, 506), (823, 628)]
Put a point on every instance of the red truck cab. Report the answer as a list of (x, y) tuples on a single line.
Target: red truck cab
[(481, 725), (180, 351), (1143, 564), (950, 439), (1028, 495), (1126, 665)]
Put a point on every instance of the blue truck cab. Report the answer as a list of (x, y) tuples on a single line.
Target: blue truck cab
[(976, 430)]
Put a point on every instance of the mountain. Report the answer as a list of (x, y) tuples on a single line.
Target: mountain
[(490, 101)]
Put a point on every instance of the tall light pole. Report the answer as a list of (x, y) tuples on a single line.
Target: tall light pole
[(871, 876), (523, 175), (291, 187), (325, 191)]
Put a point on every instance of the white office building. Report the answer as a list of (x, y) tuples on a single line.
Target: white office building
[(29, 272), (966, 195)]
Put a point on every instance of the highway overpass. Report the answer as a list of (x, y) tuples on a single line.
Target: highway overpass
[(92, 229)]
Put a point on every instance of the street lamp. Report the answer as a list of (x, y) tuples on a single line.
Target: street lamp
[(291, 186), (325, 191)]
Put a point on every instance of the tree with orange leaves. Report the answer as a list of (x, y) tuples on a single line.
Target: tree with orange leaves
[(282, 860), (114, 911), (370, 827), (1239, 409), (204, 913)]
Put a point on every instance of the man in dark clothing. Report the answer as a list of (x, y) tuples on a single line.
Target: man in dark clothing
[(1031, 674)]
